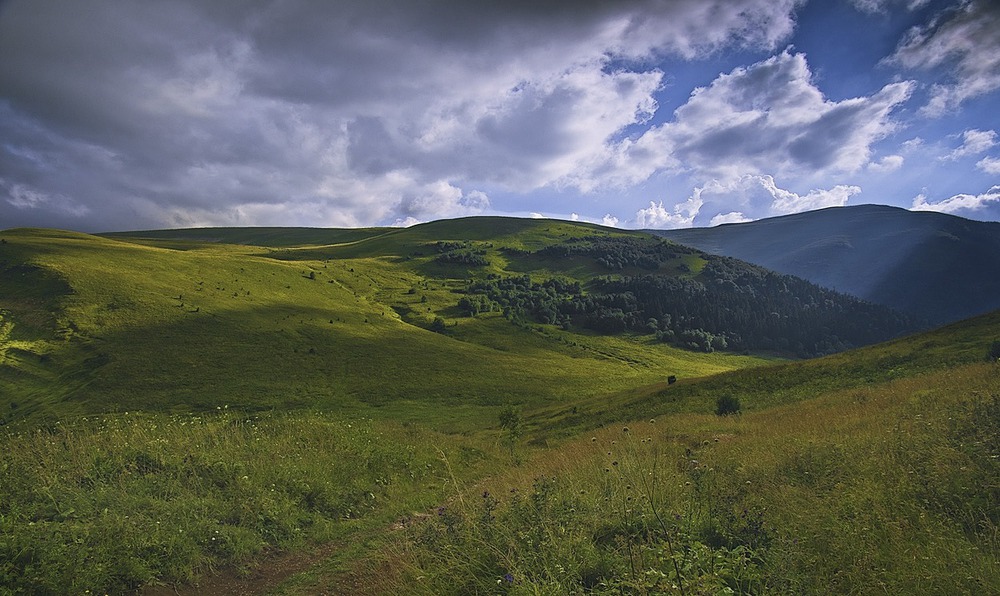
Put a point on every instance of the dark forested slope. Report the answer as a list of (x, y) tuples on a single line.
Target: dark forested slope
[(937, 267), (685, 297)]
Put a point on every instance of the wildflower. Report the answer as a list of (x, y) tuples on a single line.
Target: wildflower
[(508, 578)]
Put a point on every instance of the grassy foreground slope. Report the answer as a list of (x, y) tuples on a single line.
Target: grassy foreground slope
[(871, 471), (94, 324), (888, 488), (890, 485)]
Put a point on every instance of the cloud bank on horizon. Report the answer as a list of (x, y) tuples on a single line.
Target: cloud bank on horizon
[(138, 114)]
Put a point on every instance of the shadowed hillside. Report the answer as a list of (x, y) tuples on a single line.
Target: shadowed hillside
[(935, 266)]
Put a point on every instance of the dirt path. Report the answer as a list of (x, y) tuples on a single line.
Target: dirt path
[(264, 577)]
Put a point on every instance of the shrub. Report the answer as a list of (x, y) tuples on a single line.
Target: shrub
[(994, 352), (726, 405)]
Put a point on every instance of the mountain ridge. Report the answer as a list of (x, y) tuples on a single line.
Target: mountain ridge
[(910, 261)]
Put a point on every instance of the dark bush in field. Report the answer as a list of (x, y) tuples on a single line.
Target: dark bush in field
[(726, 405)]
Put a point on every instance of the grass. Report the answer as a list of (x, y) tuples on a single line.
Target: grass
[(139, 326), (891, 488), (174, 403), (777, 384), (116, 502)]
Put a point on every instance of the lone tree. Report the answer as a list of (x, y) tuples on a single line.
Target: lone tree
[(726, 405), (510, 421), (438, 325)]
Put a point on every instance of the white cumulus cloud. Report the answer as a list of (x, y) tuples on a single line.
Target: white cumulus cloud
[(974, 141), (990, 165), (889, 163), (959, 202), (962, 41), (729, 218), (771, 118), (736, 200), (656, 216)]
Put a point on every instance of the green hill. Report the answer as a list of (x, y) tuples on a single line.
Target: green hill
[(173, 324), (468, 314)]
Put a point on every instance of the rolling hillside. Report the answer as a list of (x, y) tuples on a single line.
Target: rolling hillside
[(314, 318), (94, 324), (938, 267)]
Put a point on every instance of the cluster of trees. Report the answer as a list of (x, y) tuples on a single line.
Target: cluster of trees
[(620, 252), (730, 306), (518, 298), (461, 253)]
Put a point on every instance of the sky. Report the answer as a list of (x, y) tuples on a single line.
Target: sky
[(141, 114)]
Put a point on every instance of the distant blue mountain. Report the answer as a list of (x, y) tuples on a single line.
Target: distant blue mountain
[(938, 267)]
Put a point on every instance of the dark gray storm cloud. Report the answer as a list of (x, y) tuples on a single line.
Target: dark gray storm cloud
[(119, 114), (140, 113)]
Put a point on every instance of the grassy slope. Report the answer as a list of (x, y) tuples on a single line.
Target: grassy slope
[(772, 385), (174, 325), (889, 488)]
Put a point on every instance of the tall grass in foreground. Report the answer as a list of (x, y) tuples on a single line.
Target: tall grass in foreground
[(889, 489), (116, 502)]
